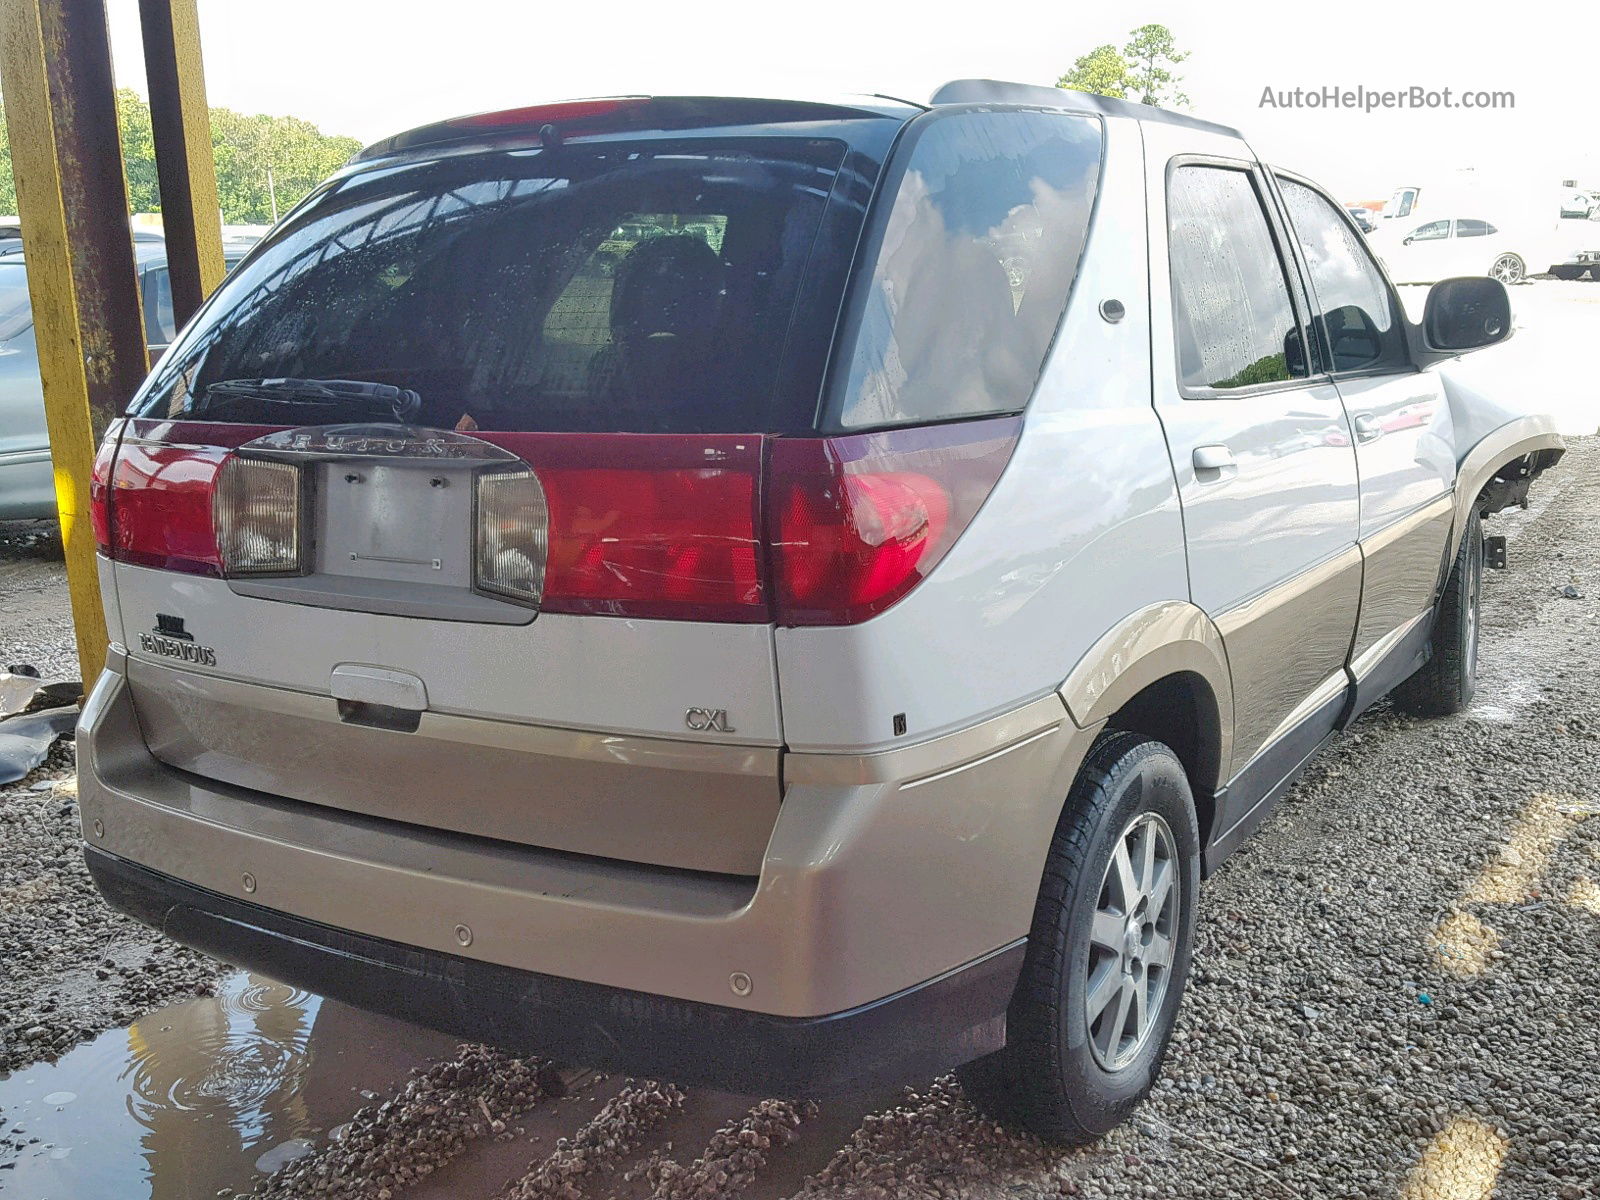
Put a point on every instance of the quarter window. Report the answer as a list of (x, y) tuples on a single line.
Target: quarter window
[(1472, 229), (1355, 310), (1236, 325), (972, 267)]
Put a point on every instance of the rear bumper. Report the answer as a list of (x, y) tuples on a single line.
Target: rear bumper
[(953, 1017), (881, 937)]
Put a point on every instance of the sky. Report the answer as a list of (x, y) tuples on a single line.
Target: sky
[(369, 68)]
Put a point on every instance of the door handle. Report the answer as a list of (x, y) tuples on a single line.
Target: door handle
[(1213, 463), (1366, 427)]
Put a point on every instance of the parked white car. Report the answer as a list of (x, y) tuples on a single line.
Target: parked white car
[(1579, 204), (1452, 246)]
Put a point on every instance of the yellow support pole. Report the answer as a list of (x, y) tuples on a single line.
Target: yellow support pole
[(185, 164), (72, 196)]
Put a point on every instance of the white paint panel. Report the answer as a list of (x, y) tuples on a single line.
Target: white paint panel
[(1082, 529), (607, 673)]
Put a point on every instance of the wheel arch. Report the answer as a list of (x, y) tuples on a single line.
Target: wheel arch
[(1162, 672), (1496, 471)]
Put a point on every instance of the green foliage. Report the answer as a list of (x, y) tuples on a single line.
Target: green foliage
[(258, 157), (1274, 368), (1151, 54), (1142, 68), (1102, 71)]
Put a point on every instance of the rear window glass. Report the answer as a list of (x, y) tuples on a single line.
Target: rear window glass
[(605, 287), (973, 265)]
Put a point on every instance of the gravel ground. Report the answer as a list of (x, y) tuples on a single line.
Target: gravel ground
[(1395, 995), (72, 967)]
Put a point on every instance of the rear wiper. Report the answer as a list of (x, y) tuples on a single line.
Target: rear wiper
[(343, 399)]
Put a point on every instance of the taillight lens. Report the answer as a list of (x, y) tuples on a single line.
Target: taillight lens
[(258, 516), (100, 487), (856, 522), (648, 525), (161, 501), (715, 527), (512, 535)]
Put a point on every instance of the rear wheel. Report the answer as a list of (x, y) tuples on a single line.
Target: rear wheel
[(1445, 683), (1108, 954), (1508, 269)]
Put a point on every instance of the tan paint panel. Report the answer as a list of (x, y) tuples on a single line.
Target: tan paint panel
[(696, 805), (1150, 645), (1402, 566), (864, 890), (1286, 642), (1511, 441)]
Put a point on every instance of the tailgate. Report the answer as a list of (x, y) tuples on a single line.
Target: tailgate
[(701, 806)]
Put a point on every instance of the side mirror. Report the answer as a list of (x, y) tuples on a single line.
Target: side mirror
[(1465, 314), (1408, 240)]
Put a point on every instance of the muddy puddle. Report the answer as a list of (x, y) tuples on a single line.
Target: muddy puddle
[(198, 1100), (198, 1097)]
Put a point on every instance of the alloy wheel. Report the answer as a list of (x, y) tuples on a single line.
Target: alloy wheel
[(1507, 268), (1133, 941)]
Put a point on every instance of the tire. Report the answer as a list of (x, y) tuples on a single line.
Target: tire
[(1444, 684), (1062, 1076), (1509, 269)]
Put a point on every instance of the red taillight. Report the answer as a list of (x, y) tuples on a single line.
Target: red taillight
[(99, 487), (716, 527), (856, 522), (161, 504), (649, 525)]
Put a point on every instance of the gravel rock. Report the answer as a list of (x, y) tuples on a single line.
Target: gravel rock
[(596, 1149), (435, 1116), (73, 966), (734, 1156)]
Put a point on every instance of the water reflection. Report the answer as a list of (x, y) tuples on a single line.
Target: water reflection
[(188, 1100)]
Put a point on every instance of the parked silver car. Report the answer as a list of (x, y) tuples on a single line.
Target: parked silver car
[(828, 647), (27, 482)]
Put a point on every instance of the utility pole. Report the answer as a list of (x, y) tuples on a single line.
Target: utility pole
[(185, 164), (72, 196)]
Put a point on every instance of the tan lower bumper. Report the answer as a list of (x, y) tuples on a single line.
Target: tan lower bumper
[(867, 888)]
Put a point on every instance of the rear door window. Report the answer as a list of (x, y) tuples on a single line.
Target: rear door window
[(972, 264), (1236, 325), (647, 286)]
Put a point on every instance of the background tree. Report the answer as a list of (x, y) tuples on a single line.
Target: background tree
[(1102, 71), (260, 160), (1151, 54)]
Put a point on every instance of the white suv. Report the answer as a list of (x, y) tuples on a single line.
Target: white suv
[(788, 594)]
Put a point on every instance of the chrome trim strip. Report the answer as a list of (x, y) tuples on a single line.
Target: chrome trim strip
[(1281, 593), (1407, 523)]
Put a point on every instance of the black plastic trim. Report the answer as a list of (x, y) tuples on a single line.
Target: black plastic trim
[(1251, 795), (912, 1035), (1402, 660)]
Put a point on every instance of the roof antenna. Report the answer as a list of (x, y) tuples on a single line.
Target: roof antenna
[(548, 137)]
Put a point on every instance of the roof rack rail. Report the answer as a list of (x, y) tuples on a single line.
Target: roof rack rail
[(998, 91)]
